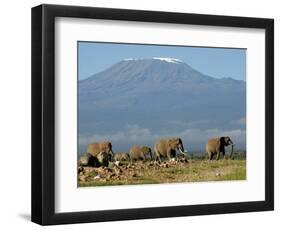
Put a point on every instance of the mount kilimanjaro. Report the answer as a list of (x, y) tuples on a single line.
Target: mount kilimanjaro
[(136, 101)]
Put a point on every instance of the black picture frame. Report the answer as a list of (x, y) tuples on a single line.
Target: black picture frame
[(43, 114)]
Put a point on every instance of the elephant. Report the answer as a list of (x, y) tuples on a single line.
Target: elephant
[(85, 160), (121, 157), (216, 146), (101, 159), (98, 154), (96, 148), (140, 152), (167, 148)]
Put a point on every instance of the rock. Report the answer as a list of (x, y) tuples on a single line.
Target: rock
[(117, 170), (164, 165), (84, 160), (131, 166), (107, 170), (121, 156), (134, 175), (112, 175), (83, 178), (80, 170), (109, 176), (111, 164), (88, 170), (97, 177)]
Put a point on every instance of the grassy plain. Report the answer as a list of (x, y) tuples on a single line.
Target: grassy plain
[(195, 170)]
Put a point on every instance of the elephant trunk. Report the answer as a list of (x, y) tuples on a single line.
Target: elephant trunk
[(111, 154), (150, 153), (182, 151)]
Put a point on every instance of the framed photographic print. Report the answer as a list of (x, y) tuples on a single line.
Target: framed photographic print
[(142, 114)]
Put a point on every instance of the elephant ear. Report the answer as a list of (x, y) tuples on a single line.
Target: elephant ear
[(222, 140), (106, 144), (170, 142), (179, 140), (103, 146)]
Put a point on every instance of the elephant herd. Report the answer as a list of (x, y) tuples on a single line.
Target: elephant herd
[(101, 153)]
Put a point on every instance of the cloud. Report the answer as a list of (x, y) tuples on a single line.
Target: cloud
[(241, 121), (129, 133), (198, 134), (193, 138)]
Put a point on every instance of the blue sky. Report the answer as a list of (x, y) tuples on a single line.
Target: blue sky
[(94, 57)]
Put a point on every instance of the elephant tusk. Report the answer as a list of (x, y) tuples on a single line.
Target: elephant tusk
[(182, 152)]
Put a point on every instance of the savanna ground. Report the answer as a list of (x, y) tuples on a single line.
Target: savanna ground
[(195, 170)]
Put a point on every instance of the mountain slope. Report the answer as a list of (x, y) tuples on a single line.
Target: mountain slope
[(160, 95)]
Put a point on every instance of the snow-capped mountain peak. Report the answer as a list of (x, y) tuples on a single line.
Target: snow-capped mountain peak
[(168, 59)]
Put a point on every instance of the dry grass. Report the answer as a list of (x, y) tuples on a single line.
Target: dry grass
[(150, 173)]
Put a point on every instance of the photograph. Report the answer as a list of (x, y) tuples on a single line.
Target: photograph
[(176, 107), (140, 115), (154, 114)]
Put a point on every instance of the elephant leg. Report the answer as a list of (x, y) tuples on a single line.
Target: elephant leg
[(174, 154), (210, 155), (169, 154), (218, 155), (143, 157), (224, 157), (132, 160), (157, 156)]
